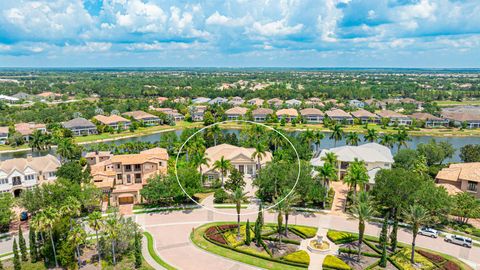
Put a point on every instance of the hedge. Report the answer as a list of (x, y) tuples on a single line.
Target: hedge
[(332, 262), (300, 256), (372, 246), (341, 237), (303, 231), (288, 241), (354, 251), (402, 259)]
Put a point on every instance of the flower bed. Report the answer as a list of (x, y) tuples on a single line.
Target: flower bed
[(332, 262), (338, 237), (300, 256), (304, 232), (402, 260), (437, 259)]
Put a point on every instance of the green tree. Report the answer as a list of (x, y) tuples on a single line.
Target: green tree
[(33, 245), (470, 153), (223, 166), (328, 172), (235, 180), (465, 206), (352, 138), (199, 160), (22, 244), (393, 236), (357, 175), (405, 158), (435, 152), (49, 218), (317, 139), (288, 203), (258, 233), (6, 213), (384, 241), (337, 133), (371, 135), (74, 171), (68, 150), (40, 140), (237, 197), (76, 237), (112, 229), (208, 119), (17, 265), (138, 249), (248, 239), (95, 222), (416, 216), (387, 140), (401, 137), (363, 211), (259, 153)]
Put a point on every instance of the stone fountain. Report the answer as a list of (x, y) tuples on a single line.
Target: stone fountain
[(318, 245)]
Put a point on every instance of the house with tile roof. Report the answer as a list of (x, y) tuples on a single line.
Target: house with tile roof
[(236, 113), (27, 129), (287, 114), (200, 100), (275, 102), (339, 115), (3, 135), (123, 176), (313, 102), (197, 112), (395, 117), (365, 116), (19, 174), (236, 101), (113, 121), (261, 114), (356, 103), (240, 158), (469, 119), (80, 126), (217, 101), (312, 115), (293, 103), (464, 176), (430, 120), (256, 102), (147, 118), (375, 156)]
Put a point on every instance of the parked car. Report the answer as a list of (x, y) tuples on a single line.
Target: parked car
[(428, 232), (459, 240), (23, 216)]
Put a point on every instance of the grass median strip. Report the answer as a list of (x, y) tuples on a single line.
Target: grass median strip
[(153, 253)]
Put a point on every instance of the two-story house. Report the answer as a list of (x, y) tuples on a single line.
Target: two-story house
[(113, 121), (147, 118), (464, 176), (123, 176), (80, 126), (27, 129), (19, 174)]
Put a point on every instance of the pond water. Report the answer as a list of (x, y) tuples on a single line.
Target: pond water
[(457, 143)]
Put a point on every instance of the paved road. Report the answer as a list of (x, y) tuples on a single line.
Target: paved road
[(171, 232)]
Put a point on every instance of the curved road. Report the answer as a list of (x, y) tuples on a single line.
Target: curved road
[(171, 233)]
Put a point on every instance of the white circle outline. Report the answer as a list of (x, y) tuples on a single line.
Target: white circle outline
[(235, 121)]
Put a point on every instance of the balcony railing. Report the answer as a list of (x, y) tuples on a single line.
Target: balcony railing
[(17, 182)]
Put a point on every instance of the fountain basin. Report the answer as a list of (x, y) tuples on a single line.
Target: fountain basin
[(318, 245)]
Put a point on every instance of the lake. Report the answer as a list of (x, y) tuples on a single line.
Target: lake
[(457, 142)]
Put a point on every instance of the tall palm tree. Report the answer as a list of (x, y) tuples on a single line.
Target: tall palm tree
[(357, 174), (416, 215), (223, 165), (363, 211), (215, 130), (402, 138), (317, 139), (95, 222), (308, 136), (352, 138), (38, 225), (76, 237), (387, 140), (71, 208), (288, 204), (238, 196), (337, 133), (39, 140), (256, 131), (327, 173), (276, 139), (259, 154), (50, 217), (331, 158), (200, 159), (371, 135), (66, 149), (111, 228)]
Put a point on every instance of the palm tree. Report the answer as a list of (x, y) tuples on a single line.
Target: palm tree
[(331, 158), (111, 228), (39, 140), (308, 136), (337, 133), (288, 204), (363, 211), (66, 149), (371, 135), (416, 215), (387, 140), (317, 139), (259, 154), (200, 159), (95, 222), (50, 217), (356, 175), (238, 197), (401, 137), (215, 131), (223, 165), (327, 172), (76, 237), (256, 131), (352, 138), (38, 225), (71, 208), (276, 139)]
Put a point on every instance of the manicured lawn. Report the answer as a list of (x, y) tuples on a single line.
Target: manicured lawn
[(199, 240), (153, 254), (446, 103)]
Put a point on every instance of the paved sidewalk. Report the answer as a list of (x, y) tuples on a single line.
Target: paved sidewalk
[(147, 257), (340, 199)]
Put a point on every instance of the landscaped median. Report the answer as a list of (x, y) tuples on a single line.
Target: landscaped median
[(221, 238), (347, 258), (153, 253)]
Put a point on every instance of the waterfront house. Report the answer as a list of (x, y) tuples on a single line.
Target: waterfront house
[(464, 176), (365, 116), (261, 114), (293, 103), (339, 115), (395, 117), (287, 114), (80, 126), (147, 118), (123, 176), (469, 119), (197, 112), (27, 129), (312, 115), (236, 113), (3, 135), (256, 102), (240, 158), (356, 103), (218, 101), (430, 120), (275, 102), (200, 100), (113, 121), (375, 156), (19, 174), (97, 157), (236, 101)]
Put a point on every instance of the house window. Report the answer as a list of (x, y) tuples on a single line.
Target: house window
[(51, 174), (138, 167), (128, 168), (129, 179), (138, 178), (118, 166), (3, 181), (29, 177), (472, 186)]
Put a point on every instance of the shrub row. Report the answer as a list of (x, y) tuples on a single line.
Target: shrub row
[(303, 231), (300, 256), (341, 237), (332, 262), (354, 251), (288, 241), (372, 246)]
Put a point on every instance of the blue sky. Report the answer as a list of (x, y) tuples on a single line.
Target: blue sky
[(240, 33)]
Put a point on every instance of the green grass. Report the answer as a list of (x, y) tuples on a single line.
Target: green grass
[(229, 206), (153, 253), (198, 239), (447, 103)]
